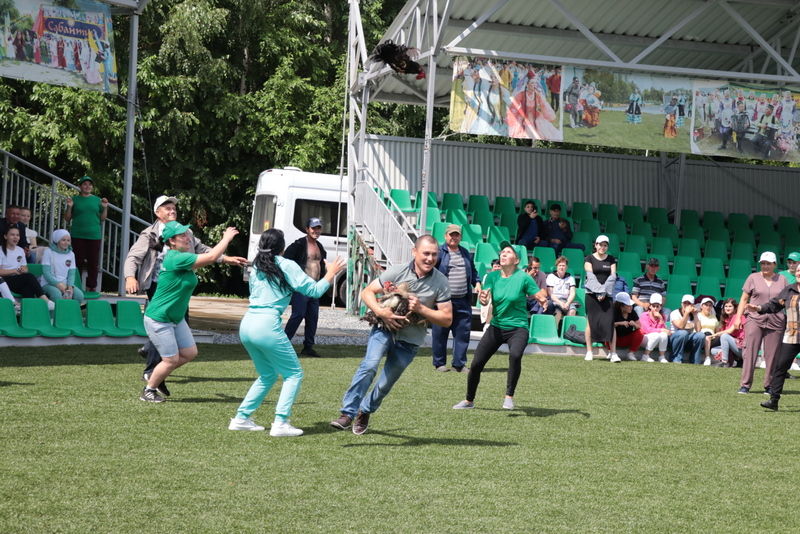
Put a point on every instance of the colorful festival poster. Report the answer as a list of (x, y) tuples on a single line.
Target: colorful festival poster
[(509, 99), (70, 44), (746, 121), (627, 110)]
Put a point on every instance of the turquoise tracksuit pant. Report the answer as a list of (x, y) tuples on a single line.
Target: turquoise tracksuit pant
[(272, 353)]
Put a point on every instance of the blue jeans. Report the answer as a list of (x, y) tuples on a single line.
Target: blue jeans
[(398, 355), (683, 340), (462, 322), (303, 307)]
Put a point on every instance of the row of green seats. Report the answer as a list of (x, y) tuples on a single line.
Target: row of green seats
[(68, 320)]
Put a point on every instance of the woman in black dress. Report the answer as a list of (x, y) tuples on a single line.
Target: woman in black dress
[(601, 273)]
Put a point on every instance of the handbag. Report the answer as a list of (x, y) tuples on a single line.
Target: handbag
[(574, 335)]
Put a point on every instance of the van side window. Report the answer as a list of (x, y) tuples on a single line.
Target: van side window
[(327, 211), (263, 214)]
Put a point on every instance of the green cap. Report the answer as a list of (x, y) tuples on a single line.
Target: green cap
[(794, 256), (85, 179), (504, 244), (173, 228)]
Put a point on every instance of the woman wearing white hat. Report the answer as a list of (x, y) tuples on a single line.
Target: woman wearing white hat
[(601, 273), (656, 333), (707, 324), (758, 289), (627, 328)]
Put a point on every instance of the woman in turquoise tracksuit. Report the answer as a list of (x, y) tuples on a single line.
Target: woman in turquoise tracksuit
[(273, 278)]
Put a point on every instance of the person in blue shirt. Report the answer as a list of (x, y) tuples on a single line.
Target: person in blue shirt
[(273, 279)]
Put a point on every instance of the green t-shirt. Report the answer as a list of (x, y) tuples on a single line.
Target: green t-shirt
[(86, 217), (176, 281), (790, 279), (509, 298)]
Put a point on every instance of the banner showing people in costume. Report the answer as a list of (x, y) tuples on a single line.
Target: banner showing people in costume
[(509, 99), (627, 110), (60, 45), (749, 121)]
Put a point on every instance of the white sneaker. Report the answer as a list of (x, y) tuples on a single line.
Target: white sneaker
[(631, 356), (647, 359), (795, 366), (284, 430), (508, 403), (707, 361), (51, 305), (762, 364), (663, 359), (464, 405), (588, 356), (614, 358), (244, 424)]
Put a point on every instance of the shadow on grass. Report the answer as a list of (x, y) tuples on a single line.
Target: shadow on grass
[(6, 384), (181, 379), (414, 441), (220, 397), (531, 411)]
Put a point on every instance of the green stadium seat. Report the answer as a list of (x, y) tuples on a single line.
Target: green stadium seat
[(607, 213), (616, 227), (628, 276), (740, 268), (438, 231), (788, 226), (584, 238), (769, 248), (592, 226), (36, 316), (644, 229), (575, 258), (580, 301), (478, 203), (472, 234), (456, 216), (684, 265), (581, 211), (673, 300), (69, 317), (433, 201), (733, 288), (486, 252), (434, 216), (689, 247), (743, 251), (402, 198), (509, 220), (99, 316), (763, 223), (694, 232), (87, 295), (689, 218), (636, 243), (483, 218), (657, 217), (681, 284), (630, 262), (713, 219), (737, 221), (580, 325), (547, 257), (744, 235), (632, 215), (670, 231), (522, 252), (452, 201), (712, 267), (543, 331), (709, 285), (130, 316), (505, 205), (716, 249), (481, 269), (8, 322), (770, 238), (498, 234), (792, 243), (720, 234), (662, 246)]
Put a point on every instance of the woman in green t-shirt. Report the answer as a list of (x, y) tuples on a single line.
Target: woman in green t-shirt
[(165, 317), (87, 213), (508, 290)]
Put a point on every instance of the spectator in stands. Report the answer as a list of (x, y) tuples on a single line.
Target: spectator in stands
[(601, 273), (506, 290), (685, 337), (557, 231), (759, 288), (14, 268), (58, 268), (30, 234), (561, 290), (707, 324), (530, 226), (456, 264), (654, 328), (165, 317), (766, 128), (87, 212), (627, 329), (12, 220), (792, 261), (730, 339), (648, 284), (787, 301), (310, 255), (538, 303)]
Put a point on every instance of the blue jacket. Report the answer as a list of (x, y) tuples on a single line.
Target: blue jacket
[(443, 264)]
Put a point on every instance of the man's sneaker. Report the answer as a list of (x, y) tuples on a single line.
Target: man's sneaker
[(464, 405), (615, 358), (343, 422), (244, 424), (647, 358), (743, 390), (464, 369), (771, 404), (150, 395), (442, 368), (309, 351), (162, 388), (508, 403), (767, 390), (141, 351), (663, 359), (588, 356), (360, 423), (284, 430)]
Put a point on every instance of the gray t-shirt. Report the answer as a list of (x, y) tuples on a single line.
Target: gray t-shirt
[(457, 275), (431, 290)]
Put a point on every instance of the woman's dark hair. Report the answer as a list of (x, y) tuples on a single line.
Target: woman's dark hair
[(723, 316), (4, 241), (271, 244)]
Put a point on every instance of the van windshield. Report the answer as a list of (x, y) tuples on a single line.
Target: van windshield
[(263, 214), (327, 211)]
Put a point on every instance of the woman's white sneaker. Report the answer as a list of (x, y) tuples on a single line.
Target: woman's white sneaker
[(588, 356), (244, 424), (615, 358), (707, 361), (284, 430)]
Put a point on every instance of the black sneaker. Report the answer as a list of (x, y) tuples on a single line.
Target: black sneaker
[(150, 395), (771, 404), (162, 389), (360, 423), (767, 390), (309, 351)]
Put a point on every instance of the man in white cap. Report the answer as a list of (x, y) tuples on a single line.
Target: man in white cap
[(684, 335), (144, 261)]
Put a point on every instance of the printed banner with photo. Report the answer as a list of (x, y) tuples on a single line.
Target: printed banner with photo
[(509, 99), (746, 121), (627, 110), (60, 45)]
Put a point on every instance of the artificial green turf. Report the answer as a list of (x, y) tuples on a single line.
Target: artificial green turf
[(593, 447)]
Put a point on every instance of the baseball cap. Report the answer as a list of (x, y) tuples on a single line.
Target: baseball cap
[(623, 298), (452, 228), (656, 298), (653, 261), (768, 256), (601, 239), (687, 298), (504, 244), (313, 222), (163, 199), (85, 179), (707, 299), (173, 228), (794, 256)]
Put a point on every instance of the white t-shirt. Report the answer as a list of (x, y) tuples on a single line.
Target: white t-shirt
[(13, 258), (561, 286), (60, 265), (676, 315)]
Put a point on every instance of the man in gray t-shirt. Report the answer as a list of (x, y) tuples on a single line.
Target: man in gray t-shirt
[(430, 300)]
